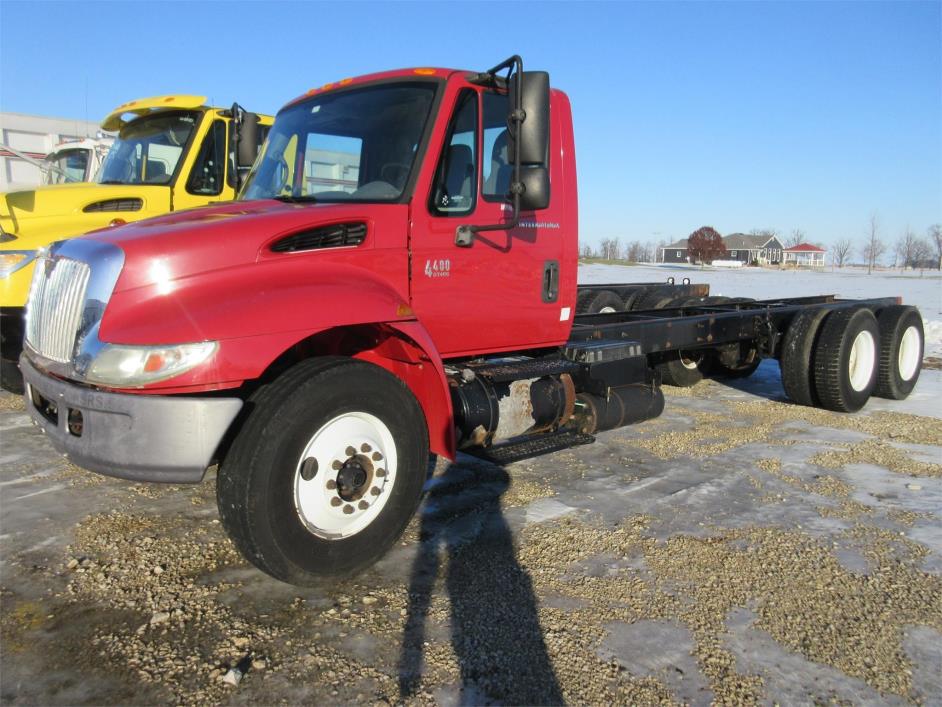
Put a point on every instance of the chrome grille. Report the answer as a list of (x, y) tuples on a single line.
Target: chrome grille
[(55, 305)]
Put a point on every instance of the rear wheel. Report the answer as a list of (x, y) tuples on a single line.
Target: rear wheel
[(682, 369), (326, 471), (845, 359), (796, 356), (602, 302), (901, 348)]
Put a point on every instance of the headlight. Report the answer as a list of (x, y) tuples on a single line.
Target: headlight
[(13, 260), (135, 366)]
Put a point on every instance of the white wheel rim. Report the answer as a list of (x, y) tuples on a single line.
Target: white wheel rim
[(688, 361), (607, 310), (909, 347), (863, 357), (318, 499)]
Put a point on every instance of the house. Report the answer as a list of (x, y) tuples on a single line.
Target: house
[(804, 255), (675, 252), (765, 249)]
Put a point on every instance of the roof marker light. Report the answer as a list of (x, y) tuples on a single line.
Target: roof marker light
[(424, 72)]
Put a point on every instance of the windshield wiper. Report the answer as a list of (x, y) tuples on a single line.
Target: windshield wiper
[(292, 199), (111, 181)]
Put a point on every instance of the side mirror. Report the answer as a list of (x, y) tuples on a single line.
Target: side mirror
[(248, 140), (536, 187), (534, 130)]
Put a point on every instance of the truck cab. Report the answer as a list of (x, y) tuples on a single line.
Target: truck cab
[(75, 160), (169, 153)]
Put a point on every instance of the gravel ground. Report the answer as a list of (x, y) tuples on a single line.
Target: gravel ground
[(739, 549)]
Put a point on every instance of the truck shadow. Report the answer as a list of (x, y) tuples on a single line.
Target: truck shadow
[(495, 629), (766, 382)]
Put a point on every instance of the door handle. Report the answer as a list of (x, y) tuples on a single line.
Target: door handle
[(550, 280)]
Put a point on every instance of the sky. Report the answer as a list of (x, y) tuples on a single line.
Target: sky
[(740, 116)]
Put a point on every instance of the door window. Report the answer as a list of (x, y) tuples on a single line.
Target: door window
[(455, 187), (208, 170), (497, 167)]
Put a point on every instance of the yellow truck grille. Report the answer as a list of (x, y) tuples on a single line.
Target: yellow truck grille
[(55, 305)]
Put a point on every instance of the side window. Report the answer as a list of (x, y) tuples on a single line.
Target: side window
[(498, 169), (207, 175), (455, 187)]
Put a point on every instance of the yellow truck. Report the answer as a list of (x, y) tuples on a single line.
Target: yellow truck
[(170, 153)]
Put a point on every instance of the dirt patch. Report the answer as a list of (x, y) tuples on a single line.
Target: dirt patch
[(12, 403), (821, 485), (879, 453)]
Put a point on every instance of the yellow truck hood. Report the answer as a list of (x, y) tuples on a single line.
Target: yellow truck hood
[(37, 217)]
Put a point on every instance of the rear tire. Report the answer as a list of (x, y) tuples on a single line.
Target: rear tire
[(603, 302), (300, 521), (845, 359), (682, 369), (795, 360), (901, 348)]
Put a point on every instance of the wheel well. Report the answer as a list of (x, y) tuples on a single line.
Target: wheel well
[(384, 345)]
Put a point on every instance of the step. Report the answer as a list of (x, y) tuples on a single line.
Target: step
[(527, 447)]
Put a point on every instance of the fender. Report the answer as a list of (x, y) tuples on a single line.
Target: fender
[(277, 314)]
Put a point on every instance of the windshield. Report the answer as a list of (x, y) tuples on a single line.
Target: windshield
[(148, 149), (357, 145), (66, 166)]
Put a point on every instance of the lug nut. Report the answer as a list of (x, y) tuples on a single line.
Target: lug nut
[(335, 501), (350, 451), (381, 473), (377, 456), (365, 448), (331, 484), (375, 491), (336, 465), (363, 505), (348, 509)]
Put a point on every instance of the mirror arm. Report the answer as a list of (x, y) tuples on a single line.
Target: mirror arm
[(235, 126), (464, 235)]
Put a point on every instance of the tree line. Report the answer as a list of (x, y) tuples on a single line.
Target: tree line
[(705, 245)]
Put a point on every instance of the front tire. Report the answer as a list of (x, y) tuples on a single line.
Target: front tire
[(326, 471)]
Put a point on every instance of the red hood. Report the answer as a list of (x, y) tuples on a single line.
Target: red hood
[(186, 243)]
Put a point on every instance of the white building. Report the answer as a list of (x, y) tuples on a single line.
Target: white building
[(804, 255), (33, 136)]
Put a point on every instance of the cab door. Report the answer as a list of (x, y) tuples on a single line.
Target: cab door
[(502, 292), (203, 179)]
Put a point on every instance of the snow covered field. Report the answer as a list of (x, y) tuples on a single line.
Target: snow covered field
[(925, 292)]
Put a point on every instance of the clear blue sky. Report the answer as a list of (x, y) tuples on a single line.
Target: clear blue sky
[(736, 115)]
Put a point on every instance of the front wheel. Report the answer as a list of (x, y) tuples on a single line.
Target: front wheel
[(326, 472)]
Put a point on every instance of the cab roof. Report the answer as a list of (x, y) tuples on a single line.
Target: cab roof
[(144, 106), (410, 73)]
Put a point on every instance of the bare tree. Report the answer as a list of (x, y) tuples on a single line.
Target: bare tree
[(874, 248), (766, 232), (586, 250), (796, 238), (935, 240), (635, 252), (906, 249), (840, 251)]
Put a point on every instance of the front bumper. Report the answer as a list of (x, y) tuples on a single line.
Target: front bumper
[(139, 437)]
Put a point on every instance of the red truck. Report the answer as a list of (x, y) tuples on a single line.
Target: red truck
[(399, 278)]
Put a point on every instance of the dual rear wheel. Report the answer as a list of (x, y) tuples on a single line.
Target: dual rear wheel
[(838, 358)]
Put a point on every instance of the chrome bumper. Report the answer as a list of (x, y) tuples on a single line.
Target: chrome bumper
[(139, 437)]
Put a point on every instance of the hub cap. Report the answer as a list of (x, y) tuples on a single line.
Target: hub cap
[(908, 360), (863, 356), (690, 360), (345, 475)]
